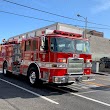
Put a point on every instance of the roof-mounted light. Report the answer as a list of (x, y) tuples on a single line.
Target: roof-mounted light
[(67, 33), (47, 31)]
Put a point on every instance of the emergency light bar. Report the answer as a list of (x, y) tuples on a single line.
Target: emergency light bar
[(48, 31), (67, 33)]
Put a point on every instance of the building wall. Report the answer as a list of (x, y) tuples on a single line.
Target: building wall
[(100, 47)]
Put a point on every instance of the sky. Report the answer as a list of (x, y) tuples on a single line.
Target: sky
[(96, 11)]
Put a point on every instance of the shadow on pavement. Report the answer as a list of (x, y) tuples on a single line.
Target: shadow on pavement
[(9, 91)]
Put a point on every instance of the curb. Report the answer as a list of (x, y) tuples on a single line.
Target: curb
[(102, 73)]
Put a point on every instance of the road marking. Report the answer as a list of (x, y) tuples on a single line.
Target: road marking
[(88, 86), (93, 91), (95, 83), (88, 92), (82, 86), (79, 88), (104, 79), (91, 99), (99, 85), (29, 91)]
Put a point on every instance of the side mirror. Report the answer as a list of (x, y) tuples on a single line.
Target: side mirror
[(42, 41), (44, 44), (52, 47)]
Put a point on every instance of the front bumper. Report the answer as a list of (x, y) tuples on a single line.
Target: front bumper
[(72, 78)]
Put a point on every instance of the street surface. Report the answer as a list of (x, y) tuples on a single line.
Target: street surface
[(17, 94)]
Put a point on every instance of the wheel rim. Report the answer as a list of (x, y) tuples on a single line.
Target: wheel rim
[(32, 77)]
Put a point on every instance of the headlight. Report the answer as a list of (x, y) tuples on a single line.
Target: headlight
[(61, 65), (88, 65), (62, 60), (88, 60)]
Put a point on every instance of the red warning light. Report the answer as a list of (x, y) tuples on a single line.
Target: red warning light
[(67, 33)]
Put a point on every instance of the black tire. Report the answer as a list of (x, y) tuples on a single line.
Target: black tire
[(5, 69), (33, 77)]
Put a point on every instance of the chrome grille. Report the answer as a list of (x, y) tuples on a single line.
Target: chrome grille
[(75, 66)]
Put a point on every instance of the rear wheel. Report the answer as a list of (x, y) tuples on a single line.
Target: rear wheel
[(33, 77)]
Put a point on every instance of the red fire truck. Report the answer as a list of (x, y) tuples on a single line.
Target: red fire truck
[(51, 54)]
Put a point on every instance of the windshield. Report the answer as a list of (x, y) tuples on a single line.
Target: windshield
[(82, 46), (62, 45), (69, 45)]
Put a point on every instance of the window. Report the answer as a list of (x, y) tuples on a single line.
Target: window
[(34, 45), (27, 45)]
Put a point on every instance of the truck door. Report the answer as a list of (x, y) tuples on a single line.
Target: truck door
[(16, 59), (53, 50), (44, 54), (27, 55), (35, 49), (44, 57)]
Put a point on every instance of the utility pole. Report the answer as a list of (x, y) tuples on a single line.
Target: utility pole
[(85, 18)]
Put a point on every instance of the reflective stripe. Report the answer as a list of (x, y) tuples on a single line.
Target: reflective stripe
[(44, 64)]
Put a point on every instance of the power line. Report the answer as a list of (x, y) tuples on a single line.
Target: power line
[(99, 28), (26, 16), (41, 10), (31, 17), (52, 13)]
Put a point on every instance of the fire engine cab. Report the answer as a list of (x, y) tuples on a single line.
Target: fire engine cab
[(47, 55)]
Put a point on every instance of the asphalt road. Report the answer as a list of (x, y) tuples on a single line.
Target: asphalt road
[(17, 94)]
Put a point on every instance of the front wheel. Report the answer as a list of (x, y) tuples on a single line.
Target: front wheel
[(33, 77)]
